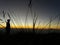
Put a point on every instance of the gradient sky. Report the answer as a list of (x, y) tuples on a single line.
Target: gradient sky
[(18, 9)]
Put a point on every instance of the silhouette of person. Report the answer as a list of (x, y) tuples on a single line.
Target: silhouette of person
[(8, 26)]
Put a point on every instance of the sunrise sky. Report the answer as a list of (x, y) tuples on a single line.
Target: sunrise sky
[(18, 9)]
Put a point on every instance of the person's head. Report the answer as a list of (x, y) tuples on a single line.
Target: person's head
[(8, 20)]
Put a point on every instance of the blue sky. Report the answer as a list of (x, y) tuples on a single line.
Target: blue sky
[(18, 9)]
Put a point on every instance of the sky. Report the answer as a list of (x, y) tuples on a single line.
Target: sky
[(18, 9)]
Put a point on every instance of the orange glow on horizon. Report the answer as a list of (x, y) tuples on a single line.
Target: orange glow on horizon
[(30, 26), (40, 27)]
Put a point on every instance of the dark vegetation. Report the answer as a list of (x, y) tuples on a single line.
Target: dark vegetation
[(29, 38)]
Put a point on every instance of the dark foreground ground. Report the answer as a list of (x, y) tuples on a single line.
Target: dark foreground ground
[(24, 38)]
